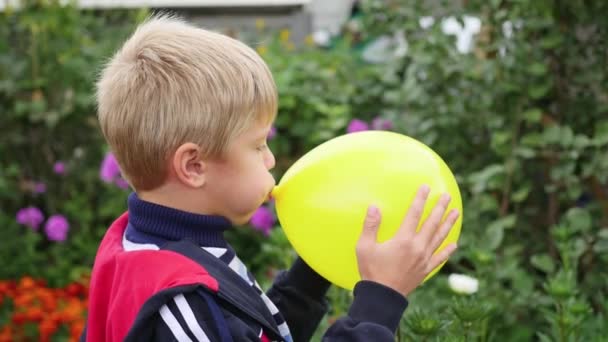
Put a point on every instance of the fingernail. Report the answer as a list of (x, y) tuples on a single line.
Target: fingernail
[(425, 189)]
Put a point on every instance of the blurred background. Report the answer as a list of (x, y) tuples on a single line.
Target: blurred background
[(512, 94)]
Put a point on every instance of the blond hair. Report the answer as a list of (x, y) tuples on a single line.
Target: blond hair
[(173, 83)]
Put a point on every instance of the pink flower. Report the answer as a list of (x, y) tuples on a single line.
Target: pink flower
[(56, 228), (357, 125), (39, 188), (109, 170), (31, 217), (382, 124), (263, 220), (59, 168), (121, 183), (272, 133)]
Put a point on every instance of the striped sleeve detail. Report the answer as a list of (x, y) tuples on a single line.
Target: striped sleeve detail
[(173, 325), (187, 318), (186, 311)]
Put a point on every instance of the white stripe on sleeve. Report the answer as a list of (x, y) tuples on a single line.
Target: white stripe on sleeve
[(193, 325), (173, 324)]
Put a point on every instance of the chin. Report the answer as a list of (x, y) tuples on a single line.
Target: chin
[(242, 220)]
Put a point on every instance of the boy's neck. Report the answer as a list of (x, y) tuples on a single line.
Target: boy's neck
[(178, 198)]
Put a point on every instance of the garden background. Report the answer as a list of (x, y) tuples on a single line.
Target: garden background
[(520, 116)]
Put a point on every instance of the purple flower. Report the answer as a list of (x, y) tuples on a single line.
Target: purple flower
[(382, 124), (263, 220), (357, 125), (121, 183), (109, 170), (39, 188), (272, 133), (59, 168), (31, 217), (56, 228)]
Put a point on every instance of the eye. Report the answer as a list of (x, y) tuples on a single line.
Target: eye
[(262, 147)]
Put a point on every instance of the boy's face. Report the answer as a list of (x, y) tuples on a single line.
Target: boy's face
[(240, 182)]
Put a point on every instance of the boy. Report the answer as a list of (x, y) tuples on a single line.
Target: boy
[(186, 113)]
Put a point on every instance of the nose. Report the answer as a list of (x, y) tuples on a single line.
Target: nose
[(269, 160)]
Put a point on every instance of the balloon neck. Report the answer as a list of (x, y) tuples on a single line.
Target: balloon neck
[(276, 191)]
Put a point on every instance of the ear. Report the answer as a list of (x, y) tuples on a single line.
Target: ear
[(188, 166)]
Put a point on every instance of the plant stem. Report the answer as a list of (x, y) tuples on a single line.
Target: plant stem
[(467, 329), (484, 330), (560, 311)]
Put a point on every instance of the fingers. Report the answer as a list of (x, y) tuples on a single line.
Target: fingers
[(412, 218), (432, 222), (444, 230), (440, 257), (370, 226)]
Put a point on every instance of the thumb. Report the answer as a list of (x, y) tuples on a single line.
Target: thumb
[(370, 225)]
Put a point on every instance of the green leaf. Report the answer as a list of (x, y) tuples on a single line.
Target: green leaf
[(533, 139), (551, 41), (578, 219), (601, 133), (532, 115), (521, 194), (601, 246), (567, 136), (537, 69), (480, 180), (495, 235), (552, 134), (495, 231), (543, 262), (581, 141), (543, 338), (505, 222), (538, 91), (525, 152)]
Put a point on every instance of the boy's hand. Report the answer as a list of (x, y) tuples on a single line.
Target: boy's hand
[(403, 262)]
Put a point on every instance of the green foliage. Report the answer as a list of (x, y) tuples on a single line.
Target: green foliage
[(49, 57)]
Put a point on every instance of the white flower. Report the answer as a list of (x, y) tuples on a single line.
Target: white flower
[(321, 38), (461, 283)]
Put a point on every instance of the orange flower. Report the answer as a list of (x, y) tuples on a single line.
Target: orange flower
[(72, 290), (26, 283), (6, 334), (34, 314), (23, 300), (48, 301), (47, 328), (73, 310), (3, 287), (18, 318), (76, 329), (55, 317)]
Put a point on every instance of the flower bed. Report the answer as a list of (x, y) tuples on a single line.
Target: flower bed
[(34, 311)]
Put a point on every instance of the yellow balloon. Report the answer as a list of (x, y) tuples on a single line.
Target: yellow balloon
[(321, 201)]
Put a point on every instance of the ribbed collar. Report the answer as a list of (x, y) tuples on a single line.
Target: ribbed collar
[(174, 225)]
